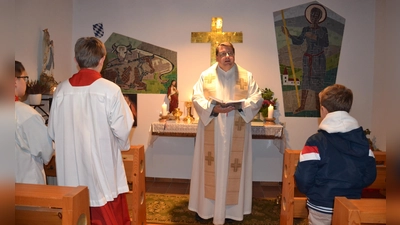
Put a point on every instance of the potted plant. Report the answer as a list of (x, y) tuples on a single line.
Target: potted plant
[(268, 96), (35, 89)]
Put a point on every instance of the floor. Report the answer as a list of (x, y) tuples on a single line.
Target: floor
[(182, 186)]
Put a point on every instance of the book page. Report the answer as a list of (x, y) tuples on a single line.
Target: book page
[(235, 103)]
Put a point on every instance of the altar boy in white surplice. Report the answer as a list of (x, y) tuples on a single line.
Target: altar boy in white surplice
[(221, 183), (90, 123)]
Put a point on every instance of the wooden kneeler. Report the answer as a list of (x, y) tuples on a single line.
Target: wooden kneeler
[(46, 204), (134, 162)]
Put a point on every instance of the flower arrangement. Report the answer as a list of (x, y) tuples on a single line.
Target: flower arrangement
[(268, 96), (37, 87)]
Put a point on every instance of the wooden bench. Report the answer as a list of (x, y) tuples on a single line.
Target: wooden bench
[(134, 163), (359, 211), (294, 205), (46, 204)]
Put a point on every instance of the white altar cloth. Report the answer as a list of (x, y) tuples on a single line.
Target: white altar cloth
[(180, 129)]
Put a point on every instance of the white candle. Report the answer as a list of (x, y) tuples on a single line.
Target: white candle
[(164, 109), (270, 111)]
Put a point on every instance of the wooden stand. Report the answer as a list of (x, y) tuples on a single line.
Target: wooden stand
[(46, 204), (134, 162)]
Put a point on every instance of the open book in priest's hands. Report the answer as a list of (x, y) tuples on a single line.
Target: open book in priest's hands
[(235, 103)]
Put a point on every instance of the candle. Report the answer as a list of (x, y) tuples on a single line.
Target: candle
[(164, 109), (270, 111)]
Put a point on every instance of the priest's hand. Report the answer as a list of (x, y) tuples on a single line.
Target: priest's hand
[(223, 108)]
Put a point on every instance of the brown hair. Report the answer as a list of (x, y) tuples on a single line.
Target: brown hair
[(226, 44), (19, 68), (336, 97), (89, 51)]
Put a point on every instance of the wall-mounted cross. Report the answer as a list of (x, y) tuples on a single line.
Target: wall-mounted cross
[(242, 83), (209, 78), (216, 36)]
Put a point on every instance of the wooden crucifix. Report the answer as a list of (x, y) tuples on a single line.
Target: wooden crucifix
[(216, 36)]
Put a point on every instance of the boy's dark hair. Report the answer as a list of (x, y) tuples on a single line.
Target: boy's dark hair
[(19, 68), (226, 44), (336, 97), (89, 51)]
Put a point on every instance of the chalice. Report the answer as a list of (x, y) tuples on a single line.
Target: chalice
[(177, 113)]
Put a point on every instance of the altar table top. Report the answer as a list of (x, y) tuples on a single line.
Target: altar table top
[(180, 129)]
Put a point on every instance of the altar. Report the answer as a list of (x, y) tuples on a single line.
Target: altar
[(171, 145)]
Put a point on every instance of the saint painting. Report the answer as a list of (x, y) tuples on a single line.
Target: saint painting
[(309, 39)]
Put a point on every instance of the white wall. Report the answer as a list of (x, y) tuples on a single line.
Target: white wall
[(169, 23), (32, 17)]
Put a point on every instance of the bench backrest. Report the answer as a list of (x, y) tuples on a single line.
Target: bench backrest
[(359, 211), (47, 204)]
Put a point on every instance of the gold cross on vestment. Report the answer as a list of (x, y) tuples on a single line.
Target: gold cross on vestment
[(216, 36), (239, 123), (209, 158), (209, 79), (236, 165), (242, 83)]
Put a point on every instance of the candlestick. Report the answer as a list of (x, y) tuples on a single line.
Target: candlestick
[(164, 109), (270, 111), (189, 117)]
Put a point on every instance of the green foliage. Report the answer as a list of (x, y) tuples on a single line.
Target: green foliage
[(268, 96), (37, 87)]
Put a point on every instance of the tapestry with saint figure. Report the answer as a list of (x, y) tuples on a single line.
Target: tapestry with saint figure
[(137, 66), (309, 39)]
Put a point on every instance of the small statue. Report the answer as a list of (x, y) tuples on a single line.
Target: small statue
[(173, 96)]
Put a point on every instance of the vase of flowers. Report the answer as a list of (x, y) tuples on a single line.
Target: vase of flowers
[(269, 99), (35, 89)]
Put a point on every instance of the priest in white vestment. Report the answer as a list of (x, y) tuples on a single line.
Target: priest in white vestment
[(221, 183)]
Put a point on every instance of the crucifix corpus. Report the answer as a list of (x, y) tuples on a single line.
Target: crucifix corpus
[(216, 36)]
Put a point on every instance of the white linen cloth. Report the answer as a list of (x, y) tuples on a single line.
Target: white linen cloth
[(33, 146), (90, 126)]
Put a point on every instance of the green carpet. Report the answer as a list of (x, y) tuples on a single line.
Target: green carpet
[(173, 209)]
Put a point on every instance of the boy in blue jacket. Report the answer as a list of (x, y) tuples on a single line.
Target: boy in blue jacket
[(337, 160)]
